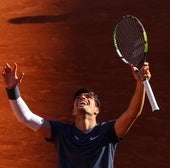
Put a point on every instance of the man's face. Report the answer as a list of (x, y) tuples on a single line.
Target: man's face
[(85, 103)]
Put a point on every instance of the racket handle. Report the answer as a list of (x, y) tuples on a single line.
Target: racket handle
[(150, 95)]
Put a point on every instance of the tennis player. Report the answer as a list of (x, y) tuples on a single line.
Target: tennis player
[(85, 143)]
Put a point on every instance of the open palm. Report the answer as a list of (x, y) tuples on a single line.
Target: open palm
[(10, 76)]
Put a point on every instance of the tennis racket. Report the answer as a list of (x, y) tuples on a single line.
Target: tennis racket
[(131, 43)]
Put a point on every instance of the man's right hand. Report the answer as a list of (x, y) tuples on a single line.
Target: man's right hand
[(10, 77)]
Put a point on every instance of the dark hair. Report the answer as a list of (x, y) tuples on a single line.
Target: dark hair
[(85, 90)]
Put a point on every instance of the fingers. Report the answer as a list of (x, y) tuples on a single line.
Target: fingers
[(146, 64), (143, 73), (8, 72), (15, 69), (146, 71), (11, 76), (6, 69), (21, 77), (135, 69)]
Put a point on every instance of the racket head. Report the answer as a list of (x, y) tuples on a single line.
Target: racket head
[(130, 40)]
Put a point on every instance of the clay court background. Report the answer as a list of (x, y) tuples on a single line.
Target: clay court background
[(63, 45)]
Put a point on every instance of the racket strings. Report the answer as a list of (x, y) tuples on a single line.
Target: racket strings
[(130, 40)]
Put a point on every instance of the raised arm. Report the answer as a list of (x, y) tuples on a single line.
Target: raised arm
[(19, 107), (126, 120)]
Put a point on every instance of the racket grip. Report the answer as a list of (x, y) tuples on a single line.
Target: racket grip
[(150, 95)]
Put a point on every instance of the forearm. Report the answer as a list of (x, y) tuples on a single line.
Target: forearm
[(21, 110), (125, 121), (137, 102)]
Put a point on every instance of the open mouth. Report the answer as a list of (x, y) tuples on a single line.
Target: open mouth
[(84, 103)]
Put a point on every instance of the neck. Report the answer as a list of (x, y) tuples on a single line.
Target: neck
[(85, 123)]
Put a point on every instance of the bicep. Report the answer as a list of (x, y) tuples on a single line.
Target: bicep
[(123, 124)]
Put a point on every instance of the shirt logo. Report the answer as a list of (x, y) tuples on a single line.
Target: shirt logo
[(77, 138), (93, 138)]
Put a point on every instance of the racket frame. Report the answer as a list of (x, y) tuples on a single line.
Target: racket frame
[(146, 83)]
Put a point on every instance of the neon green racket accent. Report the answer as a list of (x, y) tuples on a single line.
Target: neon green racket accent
[(146, 43)]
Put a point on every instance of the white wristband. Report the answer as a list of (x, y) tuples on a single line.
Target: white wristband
[(24, 114)]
